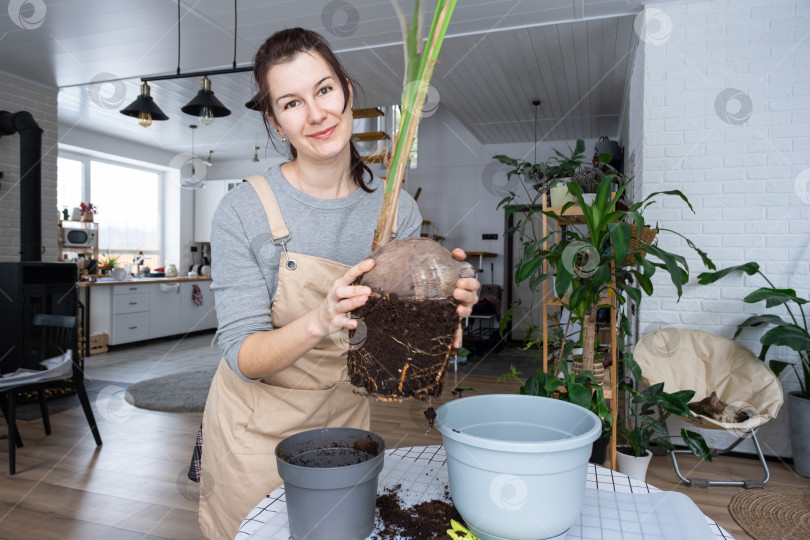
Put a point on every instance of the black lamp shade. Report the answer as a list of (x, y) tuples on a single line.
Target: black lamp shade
[(144, 104), (206, 98), (253, 104)]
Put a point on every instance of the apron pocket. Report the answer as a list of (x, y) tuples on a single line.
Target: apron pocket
[(280, 412)]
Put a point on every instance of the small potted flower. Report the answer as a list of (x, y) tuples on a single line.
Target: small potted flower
[(88, 209)]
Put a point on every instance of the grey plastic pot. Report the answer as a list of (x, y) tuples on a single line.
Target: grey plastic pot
[(517, 463), (330, 485), (800, 432)]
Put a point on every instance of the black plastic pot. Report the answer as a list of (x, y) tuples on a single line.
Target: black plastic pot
[(330, 482), (599, 451)]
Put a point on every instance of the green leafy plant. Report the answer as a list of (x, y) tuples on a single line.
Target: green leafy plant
[(565, 165), (591, 262), (577, 388), (528, 171), (792, 333), (110, 261), (587, 262), (649, 411)]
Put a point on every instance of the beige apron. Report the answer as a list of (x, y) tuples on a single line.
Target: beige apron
[(243, 421)]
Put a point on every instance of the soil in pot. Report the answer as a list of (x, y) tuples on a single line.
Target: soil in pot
[(403, 344)]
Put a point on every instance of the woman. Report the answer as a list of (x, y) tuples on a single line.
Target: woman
[(286, 249)]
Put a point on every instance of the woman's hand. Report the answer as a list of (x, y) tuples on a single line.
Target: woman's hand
[(466, 293), (342, 298)]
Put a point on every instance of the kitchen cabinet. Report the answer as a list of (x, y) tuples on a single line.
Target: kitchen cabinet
[(140, 310), (192, 316), (206, 201), (165, 302)]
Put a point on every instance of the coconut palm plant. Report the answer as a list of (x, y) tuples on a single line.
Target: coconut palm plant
[(421, 57)]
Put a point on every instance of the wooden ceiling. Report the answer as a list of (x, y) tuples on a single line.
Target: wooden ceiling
[(573, 55)]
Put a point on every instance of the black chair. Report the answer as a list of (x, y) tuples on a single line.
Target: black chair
[(58, 368)]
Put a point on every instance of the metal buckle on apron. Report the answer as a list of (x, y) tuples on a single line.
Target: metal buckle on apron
[(291, 264)]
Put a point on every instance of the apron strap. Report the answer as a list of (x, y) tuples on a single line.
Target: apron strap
[(268, 199)]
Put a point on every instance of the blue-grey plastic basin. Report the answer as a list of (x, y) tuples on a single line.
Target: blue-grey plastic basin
[(517, 464)]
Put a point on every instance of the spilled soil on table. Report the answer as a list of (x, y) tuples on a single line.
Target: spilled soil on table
[(427, 520)]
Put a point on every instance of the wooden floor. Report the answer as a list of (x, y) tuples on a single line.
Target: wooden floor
[(135, 486)]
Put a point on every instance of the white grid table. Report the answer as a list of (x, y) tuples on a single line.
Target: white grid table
[(422, 473)]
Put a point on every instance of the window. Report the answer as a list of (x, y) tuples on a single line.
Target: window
[(69, 184), (128, 202), (128, 210)]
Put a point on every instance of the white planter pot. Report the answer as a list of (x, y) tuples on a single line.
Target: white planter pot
[(589, 198), (634, 467), (560, 195)]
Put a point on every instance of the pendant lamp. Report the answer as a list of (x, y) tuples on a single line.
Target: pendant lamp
[(144, 108), (206, 105), (253, 104)]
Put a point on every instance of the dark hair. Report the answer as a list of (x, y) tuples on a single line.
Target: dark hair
[(284, 46)]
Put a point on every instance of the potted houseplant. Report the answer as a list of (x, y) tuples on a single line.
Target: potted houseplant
[(552, 176), (791, 332), (579, 388), (587, 265), (88, 210), (560, 169), (646, 425), (592, 262)]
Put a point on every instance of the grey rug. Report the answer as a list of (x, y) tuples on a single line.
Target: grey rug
[(184, 392)]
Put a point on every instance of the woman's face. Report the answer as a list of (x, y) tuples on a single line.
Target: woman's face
[(307, 101)]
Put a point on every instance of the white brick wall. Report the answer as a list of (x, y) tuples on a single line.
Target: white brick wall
[(742, 176), (17, 95)]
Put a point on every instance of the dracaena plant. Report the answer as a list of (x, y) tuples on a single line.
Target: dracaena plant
[(591, 262), (791, 332)]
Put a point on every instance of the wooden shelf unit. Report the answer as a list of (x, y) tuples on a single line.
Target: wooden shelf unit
[(371, 136), (573, 216), (73, 251)]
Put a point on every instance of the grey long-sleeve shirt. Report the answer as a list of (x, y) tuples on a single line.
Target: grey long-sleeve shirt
[(244, 261)]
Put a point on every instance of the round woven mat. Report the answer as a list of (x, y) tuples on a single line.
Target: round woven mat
[(773, 513)]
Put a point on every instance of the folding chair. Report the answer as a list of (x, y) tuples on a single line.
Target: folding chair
[(695, 360), (57, 364)]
